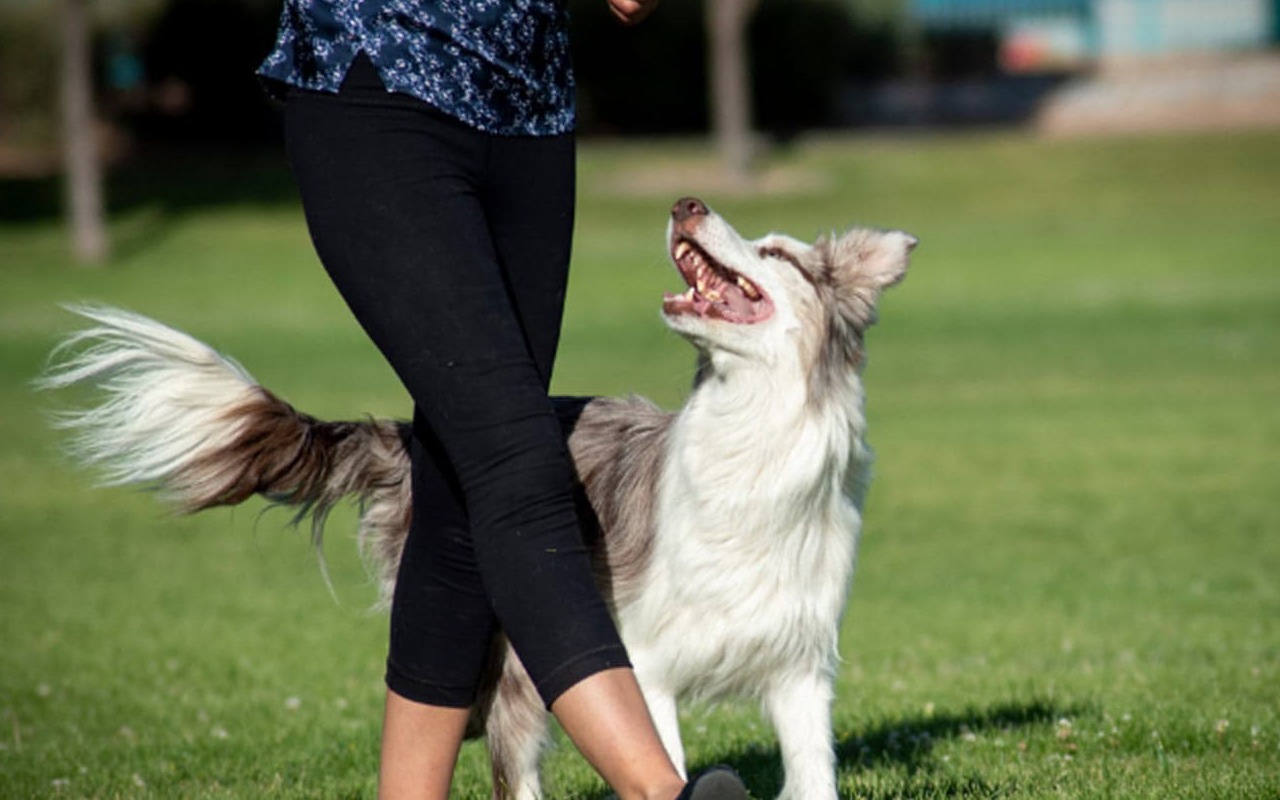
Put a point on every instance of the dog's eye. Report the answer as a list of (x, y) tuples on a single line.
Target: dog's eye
[(783, 255)]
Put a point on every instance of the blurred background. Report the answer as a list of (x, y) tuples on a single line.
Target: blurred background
[(122, 81)]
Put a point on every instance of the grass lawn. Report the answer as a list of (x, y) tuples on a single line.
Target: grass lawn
[(1069, 585)]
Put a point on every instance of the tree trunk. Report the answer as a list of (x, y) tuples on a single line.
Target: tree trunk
[(81, 160), (730, 84)]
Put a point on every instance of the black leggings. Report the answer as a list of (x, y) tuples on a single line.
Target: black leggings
[(451, 247)]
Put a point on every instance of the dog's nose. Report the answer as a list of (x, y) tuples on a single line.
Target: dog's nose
[(687, 207)]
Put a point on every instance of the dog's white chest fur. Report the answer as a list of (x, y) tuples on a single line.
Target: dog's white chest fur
[(755, 550)]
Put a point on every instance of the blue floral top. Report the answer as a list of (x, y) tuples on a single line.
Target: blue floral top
[(501, 66)]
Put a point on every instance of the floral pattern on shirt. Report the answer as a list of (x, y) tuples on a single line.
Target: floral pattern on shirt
[(500, 66)]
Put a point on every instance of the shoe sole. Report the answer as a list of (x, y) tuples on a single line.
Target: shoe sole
[(718, 785)]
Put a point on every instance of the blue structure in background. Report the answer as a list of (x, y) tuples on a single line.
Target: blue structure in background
[(1092, 29), (981, 13)]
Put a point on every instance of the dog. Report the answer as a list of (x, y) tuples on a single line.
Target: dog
[(726, 532)]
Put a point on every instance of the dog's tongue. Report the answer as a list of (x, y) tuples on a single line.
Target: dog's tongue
[(738, 302)]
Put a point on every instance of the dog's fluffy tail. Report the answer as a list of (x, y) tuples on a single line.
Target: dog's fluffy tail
[(178, 417)]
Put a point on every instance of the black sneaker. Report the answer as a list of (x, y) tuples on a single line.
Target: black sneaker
[(717, 783)]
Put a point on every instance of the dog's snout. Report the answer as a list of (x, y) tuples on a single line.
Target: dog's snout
[(687, 207)]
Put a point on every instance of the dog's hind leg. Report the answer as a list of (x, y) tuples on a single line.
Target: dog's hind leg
[(800, 708), (515, 731)]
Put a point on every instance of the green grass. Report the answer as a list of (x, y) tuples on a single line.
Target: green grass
[(1070, 580)]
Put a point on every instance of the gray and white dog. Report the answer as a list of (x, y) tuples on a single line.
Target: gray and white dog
[(727, 530)]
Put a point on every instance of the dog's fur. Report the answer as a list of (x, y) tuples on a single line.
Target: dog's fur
[(727, 531)]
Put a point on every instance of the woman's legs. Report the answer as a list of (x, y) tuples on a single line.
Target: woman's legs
[(604, 714), (398, 199), (420, 746)]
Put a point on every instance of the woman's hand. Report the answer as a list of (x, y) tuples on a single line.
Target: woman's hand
[(629, 12)]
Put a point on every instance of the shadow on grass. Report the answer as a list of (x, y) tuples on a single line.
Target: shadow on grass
[(904, 745)]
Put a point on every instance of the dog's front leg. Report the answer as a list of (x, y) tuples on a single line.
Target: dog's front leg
[(800, 709), (666, 718)]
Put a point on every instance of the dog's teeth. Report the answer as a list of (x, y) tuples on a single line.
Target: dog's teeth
[(682, 249), (748, 289), (712, 295)]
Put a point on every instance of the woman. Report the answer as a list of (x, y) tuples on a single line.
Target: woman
[(432, 141)]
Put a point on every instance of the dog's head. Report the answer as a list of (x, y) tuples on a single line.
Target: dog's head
[(761, 300)]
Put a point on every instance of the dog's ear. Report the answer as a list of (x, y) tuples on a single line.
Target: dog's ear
[(863, 263)]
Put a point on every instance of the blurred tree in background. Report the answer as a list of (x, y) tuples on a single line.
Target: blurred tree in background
[(730, 91), (82, 161)]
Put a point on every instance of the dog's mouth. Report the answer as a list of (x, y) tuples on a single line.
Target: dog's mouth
[(714, 291)]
